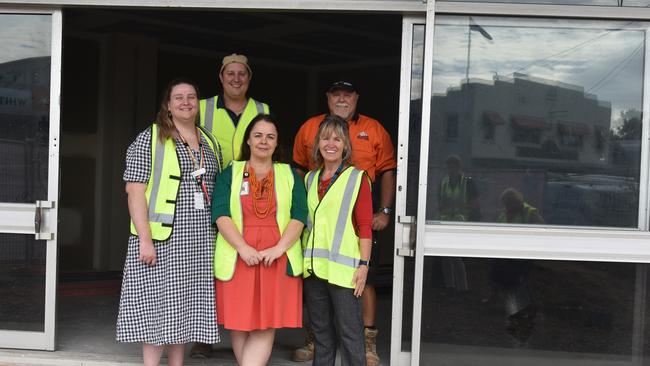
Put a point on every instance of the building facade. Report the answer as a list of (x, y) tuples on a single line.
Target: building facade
[(544, 104)]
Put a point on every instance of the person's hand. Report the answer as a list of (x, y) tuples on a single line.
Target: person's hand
[(269, 255), (147, 252), (359, 280), (249, 255), (380, 220)]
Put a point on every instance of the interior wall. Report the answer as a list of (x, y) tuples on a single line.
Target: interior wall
[(113, 73)]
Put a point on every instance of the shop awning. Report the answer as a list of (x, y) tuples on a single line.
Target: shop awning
[(528, 121), (493, 118)]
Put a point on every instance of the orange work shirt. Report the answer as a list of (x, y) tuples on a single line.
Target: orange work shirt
[(372, 148)]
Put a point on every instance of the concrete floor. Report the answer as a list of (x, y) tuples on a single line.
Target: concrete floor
[(86, 336)]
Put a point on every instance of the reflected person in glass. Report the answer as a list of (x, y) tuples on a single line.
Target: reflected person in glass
[(457, 201), (510, 278), (458, 196)]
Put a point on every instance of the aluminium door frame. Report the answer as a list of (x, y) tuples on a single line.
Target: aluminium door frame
[(430, 239), (45, 340), (403, 224)]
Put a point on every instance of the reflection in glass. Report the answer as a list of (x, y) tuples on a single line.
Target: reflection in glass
[(407, 303), (22, 284), (24, 106), (639, 3), (534, 312), (555, 2), (415, 119), (549, 109)]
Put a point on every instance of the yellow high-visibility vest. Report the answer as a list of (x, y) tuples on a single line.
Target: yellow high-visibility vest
[(453, 200), (218, 123), (164, 182), (521, 218), (330, 244), (225, 255)]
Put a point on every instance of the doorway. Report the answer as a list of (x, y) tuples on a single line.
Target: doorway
[(115, 63)]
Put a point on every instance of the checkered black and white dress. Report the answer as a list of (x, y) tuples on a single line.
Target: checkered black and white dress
[(173, 301)]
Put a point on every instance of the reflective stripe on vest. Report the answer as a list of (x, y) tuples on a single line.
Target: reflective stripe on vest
[(164, 183), (225, 256), (310, 180), (220, 125), (158, 160), (332, 254)]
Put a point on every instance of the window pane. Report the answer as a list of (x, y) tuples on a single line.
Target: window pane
[(494, 312), (536, 121), (552, 2), (415, 120), (24, 106), (22, 288), (640, 3)]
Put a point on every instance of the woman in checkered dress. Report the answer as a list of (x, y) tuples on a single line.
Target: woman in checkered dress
[(167, 295)]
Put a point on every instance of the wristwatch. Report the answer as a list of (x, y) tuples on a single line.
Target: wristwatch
[(386, 210), (362, 263)]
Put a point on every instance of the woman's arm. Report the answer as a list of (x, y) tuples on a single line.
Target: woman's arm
[(248, 254), (360, 275), (137, 202), (289, 237), (363, 220)]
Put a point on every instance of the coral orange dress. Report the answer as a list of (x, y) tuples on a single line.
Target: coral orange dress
[(259, 297)]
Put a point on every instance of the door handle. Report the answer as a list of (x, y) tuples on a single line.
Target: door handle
[(408, 236), (38, 220)]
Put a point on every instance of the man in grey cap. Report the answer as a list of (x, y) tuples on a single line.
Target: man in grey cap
[(227, 115)]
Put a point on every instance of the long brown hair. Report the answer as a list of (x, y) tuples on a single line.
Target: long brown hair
[(277, 155), (163, 118)]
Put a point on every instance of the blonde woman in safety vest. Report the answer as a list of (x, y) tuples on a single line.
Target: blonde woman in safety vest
[(167, 295), (260, 210), (336, 246)]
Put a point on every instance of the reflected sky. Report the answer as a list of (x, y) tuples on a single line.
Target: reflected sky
[(25, 36), (555, 2), (604, 58)]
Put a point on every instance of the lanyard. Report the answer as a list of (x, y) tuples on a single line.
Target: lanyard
[(336, 174), (199, 167)]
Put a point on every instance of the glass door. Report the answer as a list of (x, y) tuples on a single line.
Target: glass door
[(531, 225), (29, 162), (410, 118)]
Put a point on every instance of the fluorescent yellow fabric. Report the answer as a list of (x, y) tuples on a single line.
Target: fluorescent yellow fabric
[(164, 182), (220, 125), (330, 244), (225, 255)]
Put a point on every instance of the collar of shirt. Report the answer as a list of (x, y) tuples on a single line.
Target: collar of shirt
[(221, 104)]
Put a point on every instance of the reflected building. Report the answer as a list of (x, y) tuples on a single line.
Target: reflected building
[(550, 140), (24, 120), (523, 121)]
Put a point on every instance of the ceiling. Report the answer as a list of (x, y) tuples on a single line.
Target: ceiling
[(304, 40)]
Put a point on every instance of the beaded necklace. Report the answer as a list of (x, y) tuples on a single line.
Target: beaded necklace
[(258, 188)]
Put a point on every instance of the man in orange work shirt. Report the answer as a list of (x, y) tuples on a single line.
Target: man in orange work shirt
[(372, 151)]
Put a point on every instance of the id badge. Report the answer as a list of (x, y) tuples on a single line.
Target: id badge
[(199, 203), (244, 189), (198, 172)]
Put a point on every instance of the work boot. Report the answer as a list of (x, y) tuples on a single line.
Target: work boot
[(306, 352), (201, 350), (372, 359)]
